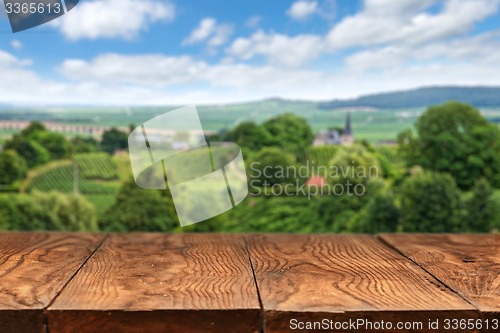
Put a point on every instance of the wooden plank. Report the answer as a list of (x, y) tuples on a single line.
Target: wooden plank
[(161, 283), (346, 277), (468, 264), (34, 267)]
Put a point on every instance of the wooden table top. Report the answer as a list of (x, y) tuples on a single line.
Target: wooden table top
[(108, 283)]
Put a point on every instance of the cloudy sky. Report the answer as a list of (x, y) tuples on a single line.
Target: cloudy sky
[(140, 52)]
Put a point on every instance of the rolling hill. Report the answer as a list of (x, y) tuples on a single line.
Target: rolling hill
[(422, 97)]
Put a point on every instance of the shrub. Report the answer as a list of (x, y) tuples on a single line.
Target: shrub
[(70, 212), (40, 212), (12, 167)]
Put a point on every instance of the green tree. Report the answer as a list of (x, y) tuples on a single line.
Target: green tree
[(113, 140), (33, 153), (55, 144), (431, 202), (33, 128), (137, 209), (12, 167), (481, 209), (247, 135), (288, 132), (37, 145), (271, 166), (455, 138)]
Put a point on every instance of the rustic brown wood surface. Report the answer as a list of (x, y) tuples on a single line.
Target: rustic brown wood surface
[(66, 282), (345, 277), (161, 283), (34, 267), (468, 264)]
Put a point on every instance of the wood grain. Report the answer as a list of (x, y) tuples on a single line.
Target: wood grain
[(161, 283), (345, 277), (468, 264), (34, 267)]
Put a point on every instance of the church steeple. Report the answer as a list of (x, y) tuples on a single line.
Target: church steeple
[(348, 129)]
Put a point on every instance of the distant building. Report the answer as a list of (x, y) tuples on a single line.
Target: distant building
[(328, 137), (336, 137)]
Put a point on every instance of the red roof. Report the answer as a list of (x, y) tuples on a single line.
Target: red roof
[(316, 181)]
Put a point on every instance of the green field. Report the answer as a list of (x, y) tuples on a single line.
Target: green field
[(93, 173), (97, 178), (97, 166)]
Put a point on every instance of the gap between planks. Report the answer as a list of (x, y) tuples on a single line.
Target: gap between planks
[(261, 304), (45, 310), (395, 249)]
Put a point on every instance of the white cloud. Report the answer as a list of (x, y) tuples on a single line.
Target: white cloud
[(160, 79), (156, 79), (7, 60), (407, 22), (172, 77), (113, 18), (210, 31), (17, 45), (281, 50), (205, 29), (150, 69), (161, 71), (302, 9), (381, 23), (382, 58), (483, 49)]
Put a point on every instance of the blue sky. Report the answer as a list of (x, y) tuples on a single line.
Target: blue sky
[(139, 52)]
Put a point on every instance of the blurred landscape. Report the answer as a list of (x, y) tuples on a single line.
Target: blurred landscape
[(359, 116), (437, 167)]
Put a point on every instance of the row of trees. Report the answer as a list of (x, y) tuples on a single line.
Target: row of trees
[(288, 132), (425, 202)]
